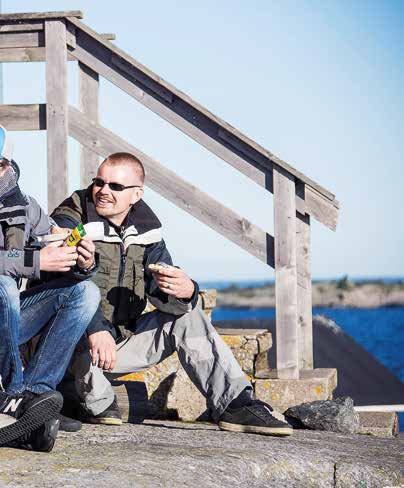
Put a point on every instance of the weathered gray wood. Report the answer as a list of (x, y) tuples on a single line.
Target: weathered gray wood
[(23, 117), (21, 39), (40, 15), (287, 337), (319, 208), (56, 112), (34, 25), (304, 294), (33, 54), (207, 129), (165, 182), (88, 94)]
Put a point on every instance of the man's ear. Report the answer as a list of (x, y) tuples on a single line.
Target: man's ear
[(137, 195)]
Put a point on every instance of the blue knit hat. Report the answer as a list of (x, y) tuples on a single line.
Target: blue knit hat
[(6, 145)]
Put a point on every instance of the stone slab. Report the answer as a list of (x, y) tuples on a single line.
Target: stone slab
[(380, 424), (316, 384), (167, 454)]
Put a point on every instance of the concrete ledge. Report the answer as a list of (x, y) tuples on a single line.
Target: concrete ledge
[(379, 424), (167, 454), (316, 384)]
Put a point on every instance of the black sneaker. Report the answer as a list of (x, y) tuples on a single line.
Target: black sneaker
[(40, 440), (110, 416), (254, 418), (67, 424), (22, 414)]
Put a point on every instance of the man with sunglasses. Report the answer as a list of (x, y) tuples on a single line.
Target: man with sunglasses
[(121, 338), (58, 312)]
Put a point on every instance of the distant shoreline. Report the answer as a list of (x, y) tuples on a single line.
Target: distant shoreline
[(342, 293)]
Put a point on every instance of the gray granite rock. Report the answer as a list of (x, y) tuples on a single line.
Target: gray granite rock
[(333, 415), (175, 454)]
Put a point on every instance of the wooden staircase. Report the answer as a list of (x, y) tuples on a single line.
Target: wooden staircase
[(59, 38)]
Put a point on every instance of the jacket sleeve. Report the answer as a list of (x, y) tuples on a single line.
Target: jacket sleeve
[(166, 303), (19, 263), (40, 222), (100, 323), (25, 263)]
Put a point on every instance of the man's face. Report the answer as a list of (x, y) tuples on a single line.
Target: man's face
[(115, 205)]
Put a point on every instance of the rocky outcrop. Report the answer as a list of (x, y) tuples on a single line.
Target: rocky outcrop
[(333, 415), (169, 454)]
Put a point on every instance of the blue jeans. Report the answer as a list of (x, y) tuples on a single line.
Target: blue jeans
[(59, 311)]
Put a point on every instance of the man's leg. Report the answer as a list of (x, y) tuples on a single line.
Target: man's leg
[(10, 362), (203, 354), (66, 308)]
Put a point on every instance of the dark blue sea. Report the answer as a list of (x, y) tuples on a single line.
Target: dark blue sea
[(380, 331)]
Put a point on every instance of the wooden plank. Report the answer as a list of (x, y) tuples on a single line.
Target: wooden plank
[(165, 182), (319, 208), (35, 25), (88, 96), (23, 117), (56, 120), (196, 111), (40, 15), (287, 337), (30, 54), (21, 39), (304, 294)]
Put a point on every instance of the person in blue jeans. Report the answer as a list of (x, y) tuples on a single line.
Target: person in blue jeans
[(58, 311)]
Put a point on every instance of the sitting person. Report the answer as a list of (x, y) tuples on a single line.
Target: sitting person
[(59, 311), (120, 338)]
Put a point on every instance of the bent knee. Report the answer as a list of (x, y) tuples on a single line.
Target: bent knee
[(89, 293)]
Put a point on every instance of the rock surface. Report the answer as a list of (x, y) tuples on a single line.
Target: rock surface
[(333, 415), (167, 454)]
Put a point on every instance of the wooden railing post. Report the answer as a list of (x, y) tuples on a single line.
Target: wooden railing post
[(304, 295), (56, 111), (285, 275), (89, 95)]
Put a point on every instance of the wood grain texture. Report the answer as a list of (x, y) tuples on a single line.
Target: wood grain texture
[(304, 293), (23, 117), (187, 115), (34, 25), (287, 337), (88, 99), (183, 194), (21, 39), (40, 15), (56, 111)]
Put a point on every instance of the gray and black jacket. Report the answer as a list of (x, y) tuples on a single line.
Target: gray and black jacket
[(22, 220), (123, 256)]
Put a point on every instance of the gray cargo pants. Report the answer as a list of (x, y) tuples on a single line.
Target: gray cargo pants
[(204, 356)]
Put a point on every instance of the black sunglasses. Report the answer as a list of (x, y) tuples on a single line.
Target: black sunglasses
[(99, 182)]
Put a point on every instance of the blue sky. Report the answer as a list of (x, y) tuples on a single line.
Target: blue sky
[(319, 84)]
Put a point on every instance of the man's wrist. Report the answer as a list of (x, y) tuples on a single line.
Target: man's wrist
[(89, 269)]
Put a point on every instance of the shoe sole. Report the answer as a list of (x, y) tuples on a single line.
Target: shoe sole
[(105, 421), (252, 429), (43, 410)]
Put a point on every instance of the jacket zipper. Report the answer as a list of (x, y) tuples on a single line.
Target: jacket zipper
[(122, 265)]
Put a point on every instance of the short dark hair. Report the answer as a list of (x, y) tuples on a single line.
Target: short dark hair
[(120, 158)]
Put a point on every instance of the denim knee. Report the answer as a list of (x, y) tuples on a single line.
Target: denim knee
[(9, 292), (89, 294)]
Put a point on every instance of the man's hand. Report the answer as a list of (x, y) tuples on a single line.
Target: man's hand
[(103, 350), (60, 230), (86, 250), (56, 257), (174, 281)]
